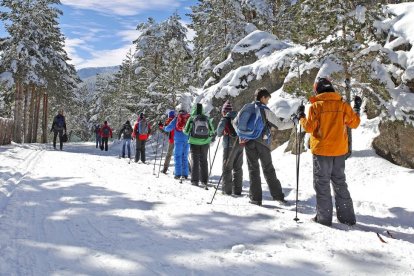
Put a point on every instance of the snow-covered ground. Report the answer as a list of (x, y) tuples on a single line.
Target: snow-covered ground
[(85, 212)]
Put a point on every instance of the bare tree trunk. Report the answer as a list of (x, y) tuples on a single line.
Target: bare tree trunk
[(36, 116), (31, 114), (45, 110), (17, 135), (6, 131), (25, 110)]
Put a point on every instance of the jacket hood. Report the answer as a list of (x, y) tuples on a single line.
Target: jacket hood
[(326, 96)]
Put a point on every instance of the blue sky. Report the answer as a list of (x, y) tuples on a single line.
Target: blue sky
[(100, 32)]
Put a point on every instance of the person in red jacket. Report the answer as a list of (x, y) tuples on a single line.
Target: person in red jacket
[(142, 131), (105, 133), (171, 116)]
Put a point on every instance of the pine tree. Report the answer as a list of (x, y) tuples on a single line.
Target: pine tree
[(219, 25), (35, 56), (345, 33), (174, 80)]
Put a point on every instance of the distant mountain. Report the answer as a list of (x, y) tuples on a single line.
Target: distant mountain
[(93, 71)]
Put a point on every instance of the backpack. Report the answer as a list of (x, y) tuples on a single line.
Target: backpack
[(105, 131), (249, 122), (229, 128), (142, 127), (181, 121), (127, 130), (60, 122), (200, 127)]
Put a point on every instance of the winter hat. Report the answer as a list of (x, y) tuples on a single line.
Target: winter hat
[(171, 114), (106, 122), (227, 107), (141, 115), (128, 122), (323, 85), (199, 110)]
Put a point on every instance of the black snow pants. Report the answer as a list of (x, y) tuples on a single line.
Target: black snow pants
[(256, 151)]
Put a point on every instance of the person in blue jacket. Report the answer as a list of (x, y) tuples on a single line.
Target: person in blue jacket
[(181, 146)]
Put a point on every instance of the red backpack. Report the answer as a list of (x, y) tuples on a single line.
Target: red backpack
[(181, 121)]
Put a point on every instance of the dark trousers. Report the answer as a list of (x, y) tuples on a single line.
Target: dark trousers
[(232, 170), (254, 152), (55, 134), (140, 150), (327, 170), (199, 163), (98, 141), (104, 144)]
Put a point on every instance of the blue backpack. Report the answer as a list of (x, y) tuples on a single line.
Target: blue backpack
[(249, 122), (142, 127)]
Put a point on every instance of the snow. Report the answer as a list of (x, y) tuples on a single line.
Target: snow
[(262, 43), (403, 26), (85, 212), (237, 80)]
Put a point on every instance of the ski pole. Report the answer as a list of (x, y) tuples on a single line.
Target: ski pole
[(226, 164), (297, 167), (209, 157), (156, 152), (214, 157), (162, 152), (152, 145)]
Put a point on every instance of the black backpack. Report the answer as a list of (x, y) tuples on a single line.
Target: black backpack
[(128, 130), (200, 127)]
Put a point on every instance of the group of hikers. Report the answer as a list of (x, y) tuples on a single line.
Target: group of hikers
[(249, 130)]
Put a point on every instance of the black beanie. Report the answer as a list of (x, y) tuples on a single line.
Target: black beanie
[(199, 110), (323, 85)]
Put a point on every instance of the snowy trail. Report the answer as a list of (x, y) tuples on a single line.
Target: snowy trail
[(86, 212)]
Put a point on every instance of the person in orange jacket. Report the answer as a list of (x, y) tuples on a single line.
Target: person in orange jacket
[(105, 133), (327, 122), (142, 131)]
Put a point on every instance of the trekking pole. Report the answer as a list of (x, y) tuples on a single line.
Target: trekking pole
[(132, 150), (156, 152), (162, 152), (214, 157), (298, 145), (209, 156), (120, 150), (152, 145), (226, 164)]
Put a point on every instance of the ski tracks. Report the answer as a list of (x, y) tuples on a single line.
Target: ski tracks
[(22, 163)]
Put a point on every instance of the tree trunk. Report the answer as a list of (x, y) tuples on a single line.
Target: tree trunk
[(45, 110), (17, 135), (25, 111), (31, 92), (36, 117)]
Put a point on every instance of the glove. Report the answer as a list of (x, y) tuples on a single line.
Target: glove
[(295, 119), (301, 112), (357, 104)]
